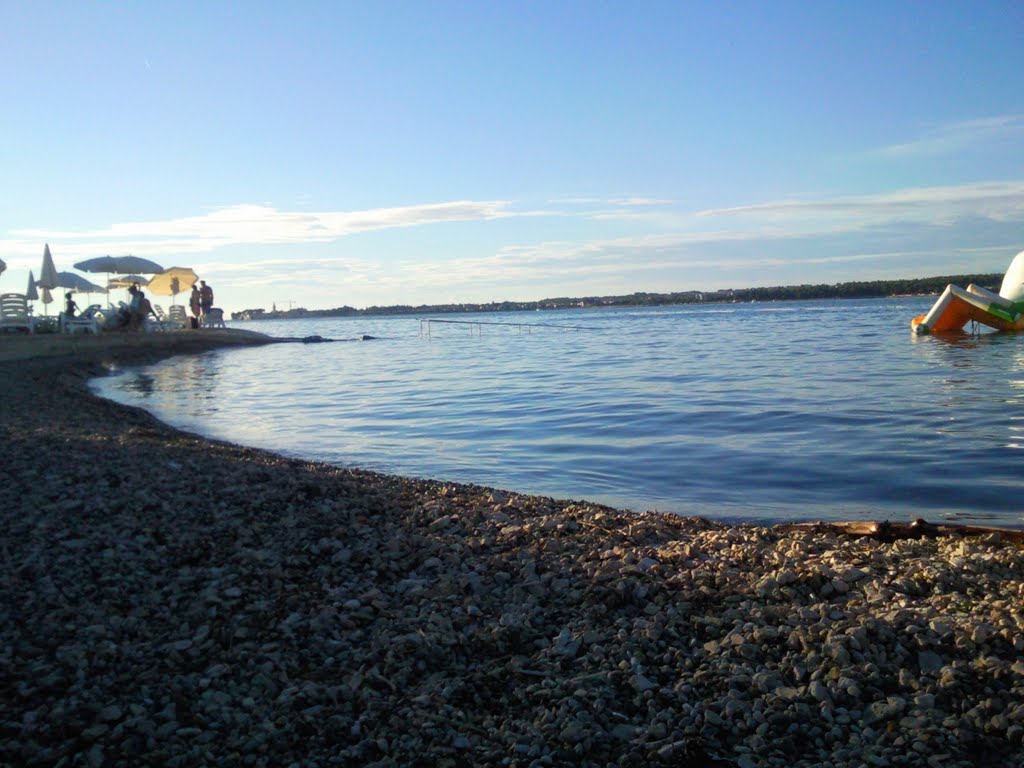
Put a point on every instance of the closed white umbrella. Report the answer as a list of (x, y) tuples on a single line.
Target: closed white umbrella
[(31, 294), (48, 279), (48, 274)]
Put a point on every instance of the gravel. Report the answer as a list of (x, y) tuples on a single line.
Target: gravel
[(171, 600)]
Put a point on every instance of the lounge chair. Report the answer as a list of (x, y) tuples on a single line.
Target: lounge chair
[(214, 318), (157, 320), (15, 314), (177, 316), (87, 322)]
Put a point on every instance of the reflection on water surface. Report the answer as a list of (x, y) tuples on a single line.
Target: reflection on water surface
[(770, 411)]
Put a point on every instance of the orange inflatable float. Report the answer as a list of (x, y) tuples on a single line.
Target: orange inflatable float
[(957, 306)]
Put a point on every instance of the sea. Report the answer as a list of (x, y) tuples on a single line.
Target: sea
[(756, 412)]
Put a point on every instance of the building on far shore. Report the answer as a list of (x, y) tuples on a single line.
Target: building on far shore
[(274, 314)]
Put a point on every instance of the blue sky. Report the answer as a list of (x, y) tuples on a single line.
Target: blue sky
[(324, 154)]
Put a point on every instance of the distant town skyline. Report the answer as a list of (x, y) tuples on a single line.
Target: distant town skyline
[(324, 155)]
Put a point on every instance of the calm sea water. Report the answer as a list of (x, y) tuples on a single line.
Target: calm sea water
[(771, 411)]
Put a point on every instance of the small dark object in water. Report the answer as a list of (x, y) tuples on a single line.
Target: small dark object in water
[(367, 337), (314, 340)]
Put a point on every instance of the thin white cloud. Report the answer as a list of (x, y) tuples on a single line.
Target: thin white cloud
[(659, 218), (1000, 201), (579, 201), (257, 225), (640, 201), (579, 261), (653, 210), (960, 136), (773, 222), (625, 263), (260, 225), (626, 201), (667, 243)]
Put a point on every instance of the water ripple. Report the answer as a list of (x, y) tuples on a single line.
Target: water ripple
[(801, 410)]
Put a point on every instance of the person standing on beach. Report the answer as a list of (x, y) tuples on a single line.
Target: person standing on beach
[(205, 297), (195, 302), (69, 305)]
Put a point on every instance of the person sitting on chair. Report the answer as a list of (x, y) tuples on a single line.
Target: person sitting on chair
[(134, 305), (138, 308), (127, 311), (146, 309)]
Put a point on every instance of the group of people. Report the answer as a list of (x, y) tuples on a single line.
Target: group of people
[(201, 300), (134, 314)]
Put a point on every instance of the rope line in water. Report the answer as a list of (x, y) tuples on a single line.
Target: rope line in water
[(430, 321)]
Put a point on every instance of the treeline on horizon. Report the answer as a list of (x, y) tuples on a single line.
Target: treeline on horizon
[(867, 289)]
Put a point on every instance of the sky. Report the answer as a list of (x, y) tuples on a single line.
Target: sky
[(336, 153)]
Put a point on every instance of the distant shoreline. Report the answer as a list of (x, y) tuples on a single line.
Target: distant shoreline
[(876, 289)]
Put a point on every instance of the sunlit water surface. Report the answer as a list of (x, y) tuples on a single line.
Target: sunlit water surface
[(771, 411)]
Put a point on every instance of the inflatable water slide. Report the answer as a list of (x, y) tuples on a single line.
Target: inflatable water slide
[(956, 306)]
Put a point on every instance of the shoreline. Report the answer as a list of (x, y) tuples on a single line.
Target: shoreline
[(176, 599)]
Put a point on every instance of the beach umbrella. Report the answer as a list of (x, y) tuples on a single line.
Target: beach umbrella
[(126, 281), (77, 283), (47, 277), (172, 281), (120, 265), (31, 294)]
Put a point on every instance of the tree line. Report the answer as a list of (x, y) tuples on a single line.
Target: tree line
[(864, 289)]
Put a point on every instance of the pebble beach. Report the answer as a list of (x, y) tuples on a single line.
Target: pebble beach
[(171, 600)]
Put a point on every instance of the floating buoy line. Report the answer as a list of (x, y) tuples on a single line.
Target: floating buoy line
[(477, 325)]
